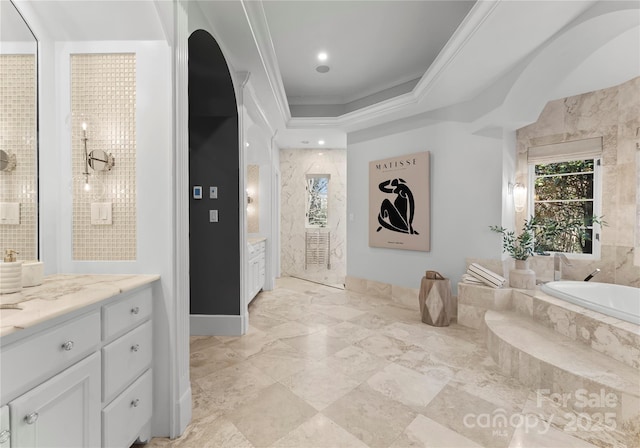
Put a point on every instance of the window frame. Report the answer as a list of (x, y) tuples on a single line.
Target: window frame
[(307, 225), (597, 203)]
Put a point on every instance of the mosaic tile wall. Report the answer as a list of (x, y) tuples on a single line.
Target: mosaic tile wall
[(253, 209), (18, 137), (103, 95)]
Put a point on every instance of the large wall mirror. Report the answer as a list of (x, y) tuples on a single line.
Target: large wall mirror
[(18, 134)]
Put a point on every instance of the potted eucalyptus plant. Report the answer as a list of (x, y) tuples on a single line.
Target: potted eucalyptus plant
[(538, 237), (520, 248)]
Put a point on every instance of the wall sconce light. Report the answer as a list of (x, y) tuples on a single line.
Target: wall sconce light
[(249, 194), (250, 208), (97, 159), (519, 192)]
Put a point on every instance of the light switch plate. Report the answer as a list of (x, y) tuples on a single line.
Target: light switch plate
[(9, 213), (213, 192), (213, 215), (101, 214)]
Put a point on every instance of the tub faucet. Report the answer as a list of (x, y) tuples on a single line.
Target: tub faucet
[(590, 276), (558, 259)]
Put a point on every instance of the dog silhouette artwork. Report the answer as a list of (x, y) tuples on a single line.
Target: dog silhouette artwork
[(397, 216)]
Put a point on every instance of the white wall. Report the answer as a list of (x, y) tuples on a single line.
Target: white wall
[(153, 179), (466, 198), (260, 152)]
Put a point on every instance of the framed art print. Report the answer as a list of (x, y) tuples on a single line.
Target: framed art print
[(399, 194)]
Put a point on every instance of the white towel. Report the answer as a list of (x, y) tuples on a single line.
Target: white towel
[(488, 277), (468, 278)]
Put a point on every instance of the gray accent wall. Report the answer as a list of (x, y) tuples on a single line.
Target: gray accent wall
[(213, 161)]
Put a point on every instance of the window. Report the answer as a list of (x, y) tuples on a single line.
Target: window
[(317, 212), (566, 193)]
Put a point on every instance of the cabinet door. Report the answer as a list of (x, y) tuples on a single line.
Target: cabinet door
[(61, 412), (255, 277), (5, 434)]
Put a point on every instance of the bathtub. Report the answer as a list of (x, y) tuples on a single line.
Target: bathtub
[(622, 302)]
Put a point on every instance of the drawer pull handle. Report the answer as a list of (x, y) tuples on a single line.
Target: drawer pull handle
[(135, 403), (67, 345), (135, 348), (135, 310), (5, 435), (31, 418)]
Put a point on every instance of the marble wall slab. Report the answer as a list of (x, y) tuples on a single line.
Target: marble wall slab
[(614, 115), (474, 300), (295, 164), (400, 295)]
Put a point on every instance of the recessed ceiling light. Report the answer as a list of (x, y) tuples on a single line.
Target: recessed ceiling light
[(322, 68), (322, 56), (320, 142), (246, 144)]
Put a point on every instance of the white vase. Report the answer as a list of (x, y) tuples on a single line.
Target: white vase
[(521, 277), (32, 273)]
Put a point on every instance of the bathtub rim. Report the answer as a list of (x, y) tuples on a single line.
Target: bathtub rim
[(606, 312)]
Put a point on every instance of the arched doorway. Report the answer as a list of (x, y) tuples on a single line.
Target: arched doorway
[(214, 220)]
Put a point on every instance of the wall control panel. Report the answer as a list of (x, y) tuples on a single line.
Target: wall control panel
[(213, 215)]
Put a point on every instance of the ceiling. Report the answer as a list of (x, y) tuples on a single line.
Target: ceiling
[(389, 60), (372, 46)]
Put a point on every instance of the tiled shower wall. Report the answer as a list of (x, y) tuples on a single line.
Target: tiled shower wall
[(295, 164), (103, 95), (614, 115), (18, 137)]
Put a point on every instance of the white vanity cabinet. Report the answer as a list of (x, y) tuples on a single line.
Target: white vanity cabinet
[(126, 366), (257, 259), (62, 411), (5, 430), (81, 380)]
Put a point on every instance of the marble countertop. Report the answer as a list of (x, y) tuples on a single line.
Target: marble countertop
[(256, 240), (60, 294)]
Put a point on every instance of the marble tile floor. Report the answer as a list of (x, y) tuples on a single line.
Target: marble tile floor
[(327, 368)]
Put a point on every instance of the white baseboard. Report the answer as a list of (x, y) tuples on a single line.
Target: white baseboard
[(184, 412), (218, 325)]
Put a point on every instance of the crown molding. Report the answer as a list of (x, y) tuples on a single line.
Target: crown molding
[(480, 12), (409, 102), (259, 27), (253, 106), (383, 110)]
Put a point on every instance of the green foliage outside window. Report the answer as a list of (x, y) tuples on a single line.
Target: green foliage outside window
[(317, 201), (563, 206), (563, 212)]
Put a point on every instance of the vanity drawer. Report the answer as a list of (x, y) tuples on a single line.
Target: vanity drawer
[(124, 418), (28, 362), (126, 313), (124, 359)]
